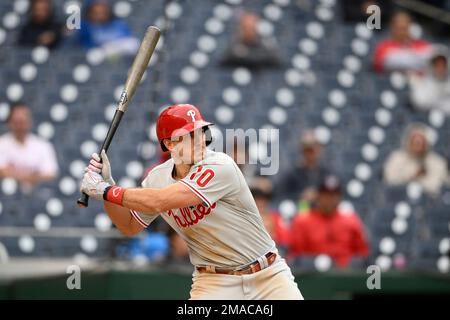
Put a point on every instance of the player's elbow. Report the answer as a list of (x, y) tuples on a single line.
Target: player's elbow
[(129, 231)]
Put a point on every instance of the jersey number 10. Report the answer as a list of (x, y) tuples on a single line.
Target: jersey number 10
[(204, 178)]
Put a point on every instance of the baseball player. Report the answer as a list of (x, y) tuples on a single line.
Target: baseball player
[(203, 196)]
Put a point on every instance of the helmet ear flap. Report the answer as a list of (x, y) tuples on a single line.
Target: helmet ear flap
[(208, 135), (163, 147)]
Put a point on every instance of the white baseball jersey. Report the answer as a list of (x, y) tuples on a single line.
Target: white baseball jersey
[(227, 229)]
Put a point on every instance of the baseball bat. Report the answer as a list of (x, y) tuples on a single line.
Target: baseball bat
[(140, 64)]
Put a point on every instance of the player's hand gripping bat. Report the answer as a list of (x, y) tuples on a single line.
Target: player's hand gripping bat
[(140, 64)]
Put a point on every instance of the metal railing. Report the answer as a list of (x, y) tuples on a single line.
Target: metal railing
[(423, 8), (60, 232)]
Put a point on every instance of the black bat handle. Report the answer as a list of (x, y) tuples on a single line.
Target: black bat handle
[(83, 201)]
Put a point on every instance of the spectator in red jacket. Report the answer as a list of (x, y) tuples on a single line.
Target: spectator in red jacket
[(401, 52), (262, 191), (327, 230)]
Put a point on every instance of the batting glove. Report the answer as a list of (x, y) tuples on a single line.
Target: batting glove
[(93, 184), (102, 167)]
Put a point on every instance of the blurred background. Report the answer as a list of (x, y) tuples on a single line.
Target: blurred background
[(361, 101)]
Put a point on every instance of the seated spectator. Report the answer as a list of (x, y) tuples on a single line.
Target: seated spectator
[(327, 230), (301, 181), (41, 29), (401, 52), (262, 189), (24, 156), (100, 29), (248, 48), (432, 90), (416, 161)]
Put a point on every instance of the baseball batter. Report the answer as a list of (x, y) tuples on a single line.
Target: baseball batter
[(202, 195)]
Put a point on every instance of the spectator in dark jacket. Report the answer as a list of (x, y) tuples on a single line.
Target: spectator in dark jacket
[(355, 11), (301, 181), (41, 28), (248, 48)]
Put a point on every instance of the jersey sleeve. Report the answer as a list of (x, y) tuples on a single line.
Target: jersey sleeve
[(145, 219), (213, 182)]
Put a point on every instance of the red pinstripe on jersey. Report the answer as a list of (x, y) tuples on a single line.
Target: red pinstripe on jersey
[(198, 193), (136, 216)]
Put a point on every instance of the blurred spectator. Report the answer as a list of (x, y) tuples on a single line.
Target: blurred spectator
[(301, 181), (179, 251), (327, 230), (153, 246), (432, 90), (248, 48), (356, 10), (415, 161), (100, 28), (24, 156), (262, 190), (41, 28), (401, 52)]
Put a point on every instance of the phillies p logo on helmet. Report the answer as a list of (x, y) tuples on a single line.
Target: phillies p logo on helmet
[(191, 113)]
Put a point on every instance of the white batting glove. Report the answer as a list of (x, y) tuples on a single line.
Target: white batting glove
[(93, 184), (102, 167)]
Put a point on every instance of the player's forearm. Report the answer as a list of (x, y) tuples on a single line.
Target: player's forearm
[(122, 219), (143, 200), (152, 201)]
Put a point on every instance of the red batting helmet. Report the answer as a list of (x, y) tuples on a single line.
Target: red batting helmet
[(179, 120)]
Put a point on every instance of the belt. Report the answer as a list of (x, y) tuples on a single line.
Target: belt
[(252, 268)]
